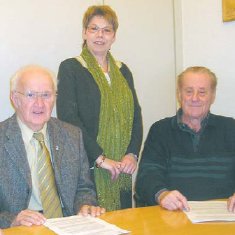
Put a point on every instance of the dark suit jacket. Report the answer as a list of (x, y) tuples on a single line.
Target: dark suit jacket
[(70, 166)]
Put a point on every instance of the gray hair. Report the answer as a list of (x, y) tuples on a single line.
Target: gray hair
[(197, 69), (18, 75)]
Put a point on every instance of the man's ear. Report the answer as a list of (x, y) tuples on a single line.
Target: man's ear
[(213, 97), (14, 99), (178, 96)]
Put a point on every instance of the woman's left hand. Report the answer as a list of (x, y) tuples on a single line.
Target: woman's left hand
[(128, 164)]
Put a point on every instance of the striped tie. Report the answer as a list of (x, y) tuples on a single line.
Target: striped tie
[(47, 187)]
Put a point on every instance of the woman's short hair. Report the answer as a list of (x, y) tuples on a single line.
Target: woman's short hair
[(100, 10)]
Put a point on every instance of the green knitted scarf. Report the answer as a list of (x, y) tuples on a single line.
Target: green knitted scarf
[(115, 127)]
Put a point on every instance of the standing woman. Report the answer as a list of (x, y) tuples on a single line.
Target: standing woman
[(96, 93)]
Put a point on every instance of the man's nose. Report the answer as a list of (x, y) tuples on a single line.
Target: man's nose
[(39, 100), (195, 95)]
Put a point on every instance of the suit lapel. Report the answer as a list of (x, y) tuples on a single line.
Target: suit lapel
[(14, 145), (57, 148)]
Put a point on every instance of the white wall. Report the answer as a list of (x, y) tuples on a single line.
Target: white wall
[(42, 32), (48, 31), (208, 41)]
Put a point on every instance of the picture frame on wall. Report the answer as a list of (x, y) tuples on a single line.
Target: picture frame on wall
[(228, 10)]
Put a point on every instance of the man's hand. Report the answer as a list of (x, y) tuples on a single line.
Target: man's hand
[(231, 203), (28, 218), (91, 210), (173, 200)]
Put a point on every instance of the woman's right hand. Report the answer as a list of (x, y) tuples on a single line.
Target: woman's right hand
[(112, 166)]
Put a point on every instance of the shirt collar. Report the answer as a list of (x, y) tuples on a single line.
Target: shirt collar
[(27, 133), (184, 126)]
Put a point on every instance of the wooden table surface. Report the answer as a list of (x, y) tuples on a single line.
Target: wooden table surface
[(146, 221)]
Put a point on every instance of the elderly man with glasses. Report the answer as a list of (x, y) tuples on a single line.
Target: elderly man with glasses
[(43, 163)]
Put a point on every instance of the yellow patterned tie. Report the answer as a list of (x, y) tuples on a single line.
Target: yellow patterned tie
[(47, 187)]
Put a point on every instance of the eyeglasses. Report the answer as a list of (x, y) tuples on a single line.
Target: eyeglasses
[(33, 95), (108, 30)]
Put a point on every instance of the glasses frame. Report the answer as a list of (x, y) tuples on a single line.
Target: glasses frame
[(107, 30), (33, 95)]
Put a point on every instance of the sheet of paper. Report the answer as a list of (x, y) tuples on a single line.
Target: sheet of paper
[(204, 211), (79, 225)]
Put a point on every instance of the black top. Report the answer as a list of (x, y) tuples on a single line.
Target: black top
[(78, 103)]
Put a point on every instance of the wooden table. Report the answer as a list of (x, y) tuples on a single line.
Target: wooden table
[(146, 221)]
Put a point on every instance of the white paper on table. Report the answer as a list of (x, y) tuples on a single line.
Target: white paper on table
[(80, 225), (205, 211)]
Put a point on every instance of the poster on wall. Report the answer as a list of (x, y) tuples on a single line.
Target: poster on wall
[(228, 7)]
